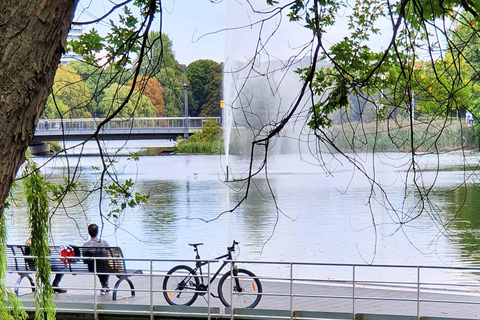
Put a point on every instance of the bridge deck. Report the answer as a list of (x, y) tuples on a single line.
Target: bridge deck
[(311, 300)]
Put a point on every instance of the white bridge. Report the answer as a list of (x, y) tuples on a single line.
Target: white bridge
[(118, 128)]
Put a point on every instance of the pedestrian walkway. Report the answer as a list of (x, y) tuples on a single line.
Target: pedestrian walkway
[(286, 298)]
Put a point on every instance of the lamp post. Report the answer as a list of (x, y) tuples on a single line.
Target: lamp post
[(185, 95)]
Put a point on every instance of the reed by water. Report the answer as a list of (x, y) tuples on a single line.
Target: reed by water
[(385, 136)]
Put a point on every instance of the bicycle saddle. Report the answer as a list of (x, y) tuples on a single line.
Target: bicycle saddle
[(195, 244)]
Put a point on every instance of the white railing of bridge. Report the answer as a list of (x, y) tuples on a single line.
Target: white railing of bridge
[(299, 291), (123, 123)]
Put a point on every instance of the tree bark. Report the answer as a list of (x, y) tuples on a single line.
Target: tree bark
[(33, 40)]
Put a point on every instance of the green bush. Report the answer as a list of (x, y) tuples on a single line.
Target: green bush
[(55, 146), (207, 141)]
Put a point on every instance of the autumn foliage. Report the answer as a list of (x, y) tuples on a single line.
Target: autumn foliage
[(152, 89)]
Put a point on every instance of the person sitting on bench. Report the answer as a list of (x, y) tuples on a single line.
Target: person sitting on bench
[(55, 267), (96, 242)]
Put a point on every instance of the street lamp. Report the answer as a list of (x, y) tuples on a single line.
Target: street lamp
[(185, 95)]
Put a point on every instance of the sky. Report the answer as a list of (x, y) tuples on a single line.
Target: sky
[(184, 21), (195, 28)]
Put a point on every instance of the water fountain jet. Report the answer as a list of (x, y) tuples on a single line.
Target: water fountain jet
[(227, 129)]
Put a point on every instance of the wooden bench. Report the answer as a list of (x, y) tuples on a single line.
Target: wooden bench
[(84, 261)]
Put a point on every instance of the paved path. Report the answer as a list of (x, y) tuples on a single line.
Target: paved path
[(321, 296)]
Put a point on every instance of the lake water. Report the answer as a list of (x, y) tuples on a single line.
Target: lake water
[(318, 217)]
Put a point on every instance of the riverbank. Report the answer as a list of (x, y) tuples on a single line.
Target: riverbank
[(391, 136), (382, 136)]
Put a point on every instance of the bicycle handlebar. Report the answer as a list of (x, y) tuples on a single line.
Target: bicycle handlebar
[(232, 248)]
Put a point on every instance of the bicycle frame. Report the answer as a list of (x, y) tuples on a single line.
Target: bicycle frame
[(199, 264)]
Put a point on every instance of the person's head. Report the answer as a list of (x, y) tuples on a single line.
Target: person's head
[(93, 230)]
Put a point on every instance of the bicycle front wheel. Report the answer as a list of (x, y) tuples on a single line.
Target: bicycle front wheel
[(180, 286), (244, 292)]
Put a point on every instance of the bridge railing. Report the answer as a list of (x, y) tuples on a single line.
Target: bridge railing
[(123, 123)]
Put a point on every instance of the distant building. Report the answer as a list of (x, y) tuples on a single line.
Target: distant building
[(73, 34)]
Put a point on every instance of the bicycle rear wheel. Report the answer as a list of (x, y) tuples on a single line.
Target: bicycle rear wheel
[(180, 286), (246, 288)]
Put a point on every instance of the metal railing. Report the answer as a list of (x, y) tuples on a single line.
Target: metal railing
[(122, 123), (295, 291)]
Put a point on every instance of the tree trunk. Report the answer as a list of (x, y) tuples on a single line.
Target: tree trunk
[(33, 39)]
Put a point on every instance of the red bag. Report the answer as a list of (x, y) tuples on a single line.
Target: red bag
[(66, 251)]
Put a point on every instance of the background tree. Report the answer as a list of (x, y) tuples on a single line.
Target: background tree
[(205, 78), (160, 62), (159, 55), (172, 83), (151, 88), (466, 40), (70, 96), (97, 80), (138, 105), (211, 108), (444, 88), (97, 77)]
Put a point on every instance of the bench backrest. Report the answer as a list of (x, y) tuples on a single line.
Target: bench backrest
[(104, 265), (17, 259)]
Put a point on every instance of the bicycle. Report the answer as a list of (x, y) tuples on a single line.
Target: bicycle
[(182, 284)]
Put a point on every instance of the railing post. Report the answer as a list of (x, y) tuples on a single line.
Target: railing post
[(231, 290), (95, 302), (208, 291), (291, 291), (185, 88), (151, 290), (418, 293), (353, 292)]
